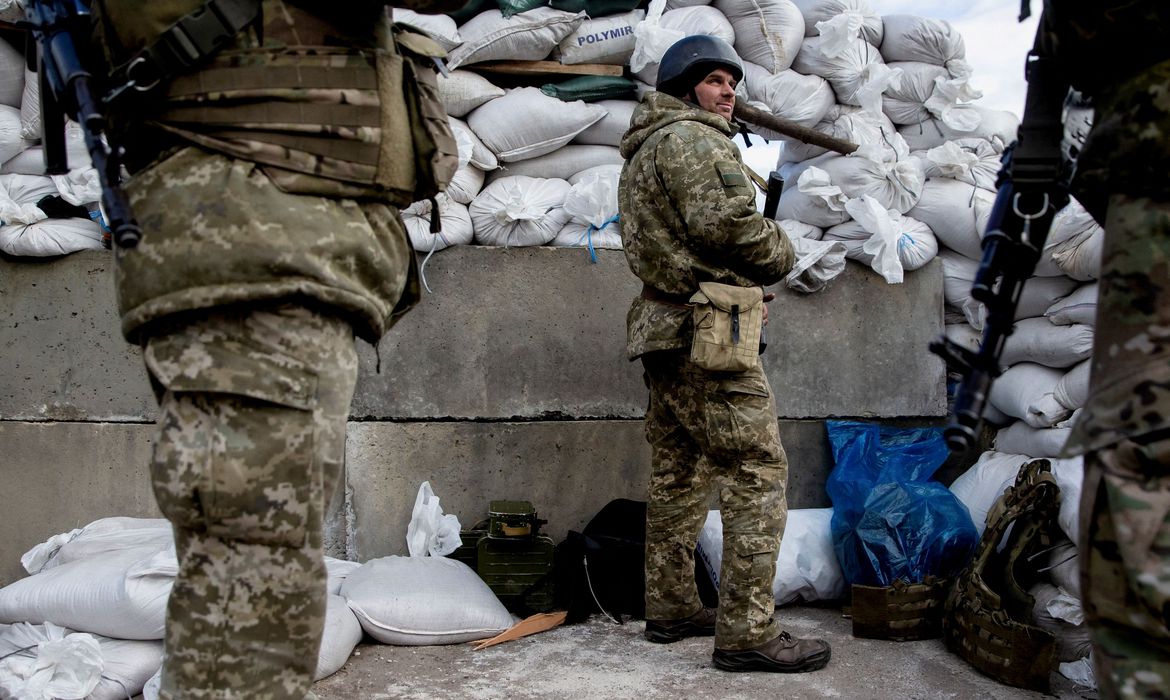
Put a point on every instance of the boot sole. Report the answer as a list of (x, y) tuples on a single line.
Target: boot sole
[(659, 636), (742, 661)]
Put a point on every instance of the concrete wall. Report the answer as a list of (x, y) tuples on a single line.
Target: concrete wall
[(508, 381)]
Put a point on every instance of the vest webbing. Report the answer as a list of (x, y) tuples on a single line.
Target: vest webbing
[(984, 626)]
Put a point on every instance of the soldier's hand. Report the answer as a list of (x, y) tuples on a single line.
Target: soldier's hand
[(768, 296)]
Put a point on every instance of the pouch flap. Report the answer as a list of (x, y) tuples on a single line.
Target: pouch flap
[(409, 39), (725, 296)]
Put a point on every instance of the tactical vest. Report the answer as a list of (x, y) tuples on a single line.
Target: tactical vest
[(989, 611), (331, 103)]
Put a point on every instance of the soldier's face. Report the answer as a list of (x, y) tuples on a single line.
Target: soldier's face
[(716, 93)]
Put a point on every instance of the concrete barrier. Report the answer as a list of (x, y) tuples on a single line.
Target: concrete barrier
[(510, 380)]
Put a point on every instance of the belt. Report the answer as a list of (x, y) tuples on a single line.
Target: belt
[(654, 294)]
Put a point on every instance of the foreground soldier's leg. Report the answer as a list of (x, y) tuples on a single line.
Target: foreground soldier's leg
[(252, 438), (1126, 566)]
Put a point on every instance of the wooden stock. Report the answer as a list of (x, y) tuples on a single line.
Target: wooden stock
[(753, 116)]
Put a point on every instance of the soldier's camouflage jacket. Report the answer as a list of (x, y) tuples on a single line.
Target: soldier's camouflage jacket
[(688, 211), (1118, 52), (296, 106)]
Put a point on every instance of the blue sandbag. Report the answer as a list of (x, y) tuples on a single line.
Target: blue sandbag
[(890, 519)]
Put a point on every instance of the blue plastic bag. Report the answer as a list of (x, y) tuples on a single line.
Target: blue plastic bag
[(890, 519)]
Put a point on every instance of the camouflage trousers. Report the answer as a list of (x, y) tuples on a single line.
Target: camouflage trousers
[(254, 403), (709, 429), (1125, 565)]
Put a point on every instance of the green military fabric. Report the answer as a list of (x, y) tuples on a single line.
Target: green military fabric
[(1118, 51), (689, 216), (688, 210), (714, 429), (1125, 560), (219, 231), (254, 403)]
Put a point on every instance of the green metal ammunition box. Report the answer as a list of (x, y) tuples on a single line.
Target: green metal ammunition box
[(468, 551), (518, 571)]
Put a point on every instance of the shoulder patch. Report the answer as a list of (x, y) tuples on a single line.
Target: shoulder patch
[(731, 174)]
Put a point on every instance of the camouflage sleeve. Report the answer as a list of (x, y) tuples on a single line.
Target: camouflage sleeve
[(705, 180)]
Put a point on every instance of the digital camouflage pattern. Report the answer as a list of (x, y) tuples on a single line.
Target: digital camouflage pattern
[(688, 215), (688, 211), (1119, 53), (714, 430), (254, 404)]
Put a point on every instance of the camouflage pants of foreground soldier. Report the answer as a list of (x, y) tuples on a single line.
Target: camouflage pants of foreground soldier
[(252, 433), (706, 428)]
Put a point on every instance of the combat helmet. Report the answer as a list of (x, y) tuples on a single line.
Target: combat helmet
[(691, 58)]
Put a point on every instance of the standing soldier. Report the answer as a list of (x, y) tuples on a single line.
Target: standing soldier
[(1118, 52), (262, 140), (691, 233)]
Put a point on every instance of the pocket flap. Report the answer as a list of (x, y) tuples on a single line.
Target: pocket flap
[(725, 296), (417, 44)]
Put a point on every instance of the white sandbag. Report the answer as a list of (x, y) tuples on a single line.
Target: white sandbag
[(120, 594), (526, 123), (817, 263), (1025, 391), (461, 91), (30, 106), (767, 32), (957, 212), (926, 91), (526, 36), (971, 161), (1078, 121), (612, 127), (661, 28), (605, 40), (884, 239), (423, 600), (1037, 340), (857, 74), (806, 565), (1072, 391), (441, 28), (11, 143), (674, 4), (958, 274), (925, 40), (804, 99), (11, 75), (593, 209), (798, 229), (966, 336), (980, 486), (610, 170), (519, 211), (895, 184), (466, 184), (481, 156), (100, 537), (337, 570), (50, 237), (1050, 612), (852, 124), (1070, 477), (118, 670), (561, 164), (995, 125), (1021, 438), (817, 11), (341, 634), (1064, 567), (1080, 306), (1075, 242), (454, 219), (1040, 293), (812, 198), (79, 186)]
